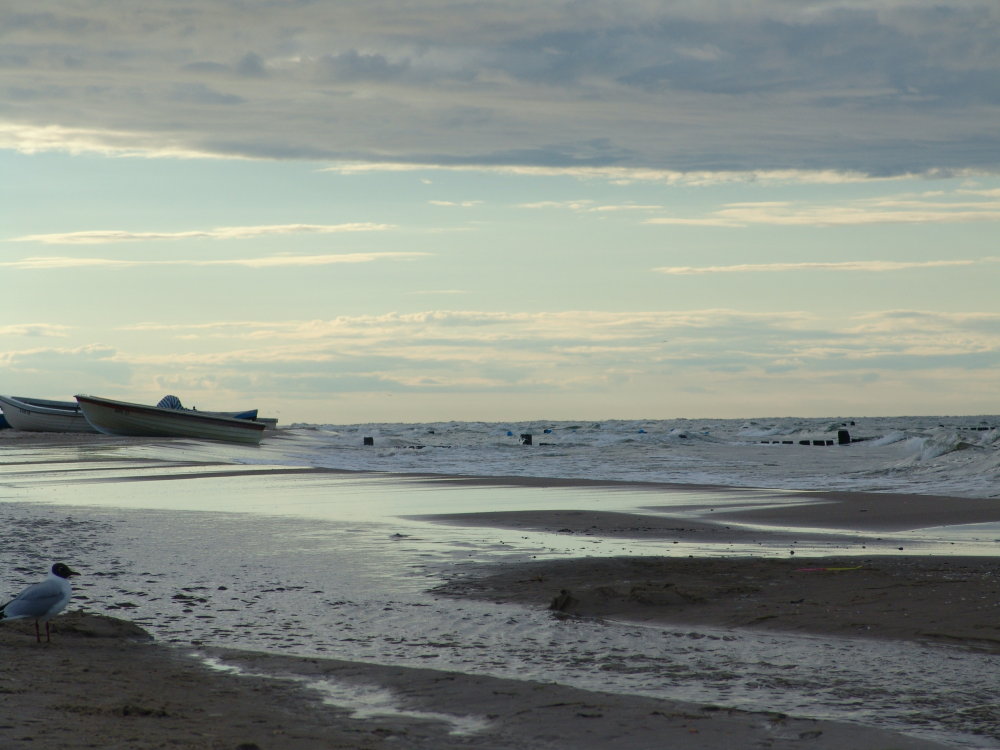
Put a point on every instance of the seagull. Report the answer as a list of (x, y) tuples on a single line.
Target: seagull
[(43, 600)]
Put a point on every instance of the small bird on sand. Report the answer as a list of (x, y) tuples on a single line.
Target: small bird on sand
[(42, 601)]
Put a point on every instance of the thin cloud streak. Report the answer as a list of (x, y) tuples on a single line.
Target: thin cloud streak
[(589, 206), (35, 329), (274, 261), (875, 211), (486, 324), (103, 237), (635, 175), (868, 266), (27, 138)]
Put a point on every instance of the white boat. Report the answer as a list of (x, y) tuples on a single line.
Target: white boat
[(123, 418), (43, 415)]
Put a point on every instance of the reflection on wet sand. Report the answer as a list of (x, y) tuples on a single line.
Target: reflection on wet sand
[(314, 563)]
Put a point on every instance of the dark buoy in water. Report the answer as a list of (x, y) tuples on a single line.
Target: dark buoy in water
[(369, 441), (843, 437), (526, 438)]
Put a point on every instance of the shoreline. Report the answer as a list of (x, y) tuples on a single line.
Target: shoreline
[(224, 455)]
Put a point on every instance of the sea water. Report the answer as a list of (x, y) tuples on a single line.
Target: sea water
[(958, 456)]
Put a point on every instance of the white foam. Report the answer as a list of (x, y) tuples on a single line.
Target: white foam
[(361, 701), (932, 455)]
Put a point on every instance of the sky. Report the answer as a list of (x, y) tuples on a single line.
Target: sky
[(351, 212)]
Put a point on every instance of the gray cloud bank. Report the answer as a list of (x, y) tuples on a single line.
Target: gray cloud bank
[(881, 87)]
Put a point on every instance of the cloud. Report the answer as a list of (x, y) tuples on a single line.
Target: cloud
[(31, 357), (935, 208), (36, 138), (251, 66), (444, 335), (352, 66), (578, 205), (101, 237), (272, 261), (503, 347), (881, 88), (590, 206), (807, 357), (199, 93), (921, 322), (65, 370), (35, 329), (867, 266), (621, 175)]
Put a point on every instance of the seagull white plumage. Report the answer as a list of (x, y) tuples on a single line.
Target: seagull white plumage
[(42, 601)]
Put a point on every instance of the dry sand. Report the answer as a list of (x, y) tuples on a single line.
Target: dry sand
[(101, 683)]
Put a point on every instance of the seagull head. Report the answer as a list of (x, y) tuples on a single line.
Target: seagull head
[(63, 571)]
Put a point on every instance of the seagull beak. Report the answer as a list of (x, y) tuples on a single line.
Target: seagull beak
[(72, 572)]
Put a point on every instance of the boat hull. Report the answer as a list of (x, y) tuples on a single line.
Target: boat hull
[(42, 415), (138, 420)]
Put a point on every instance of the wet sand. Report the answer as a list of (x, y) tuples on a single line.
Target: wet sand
[(939, 599), (102, 683)]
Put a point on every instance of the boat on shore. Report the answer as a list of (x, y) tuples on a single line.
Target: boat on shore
[(140, 420), (172, 402), (44, 415)]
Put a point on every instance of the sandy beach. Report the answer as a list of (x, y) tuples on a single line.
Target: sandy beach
[(101, 684), (104, 682)]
